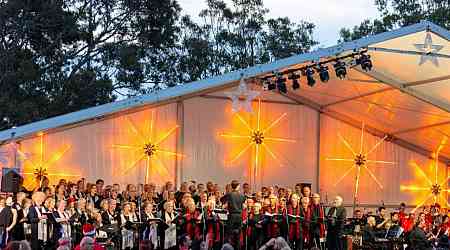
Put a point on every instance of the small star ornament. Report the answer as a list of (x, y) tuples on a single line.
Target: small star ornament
[(429, 49), (242, 98)]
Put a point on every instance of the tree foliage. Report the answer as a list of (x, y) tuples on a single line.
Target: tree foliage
[(399, 13), (59, 56)]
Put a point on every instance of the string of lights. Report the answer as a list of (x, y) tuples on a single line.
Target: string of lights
[(277, 80)]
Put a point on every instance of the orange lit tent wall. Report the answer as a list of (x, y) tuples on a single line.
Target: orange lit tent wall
[(416, 116), (206, 154)]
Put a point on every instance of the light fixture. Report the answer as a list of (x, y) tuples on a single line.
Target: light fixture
[(271, 85), (310, 77), (323, 73), (295, 82), (281, 84), (365, 62), (339, 68)]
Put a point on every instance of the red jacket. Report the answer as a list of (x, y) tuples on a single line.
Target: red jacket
[(190, 225)]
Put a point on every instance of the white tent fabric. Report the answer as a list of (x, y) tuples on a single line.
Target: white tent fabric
[(406, 96)]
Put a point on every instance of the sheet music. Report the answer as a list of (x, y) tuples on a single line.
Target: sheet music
[(170, 239)]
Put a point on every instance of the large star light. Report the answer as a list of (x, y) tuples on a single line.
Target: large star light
[(257, 136), (43, 166), (429, 49), (148, 147), (434, 188), (360, 161), (242, 97)]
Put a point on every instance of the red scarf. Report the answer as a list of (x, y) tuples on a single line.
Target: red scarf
[(191, 226), (213, 232), (273, 229), (320, 219), (306, 214), (294, 227)]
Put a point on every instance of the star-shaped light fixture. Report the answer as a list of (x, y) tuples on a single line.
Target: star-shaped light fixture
[(242, 97), (360, 161), (257, 136), (434, 189), (429, 49), (148, 147), (41, 168)]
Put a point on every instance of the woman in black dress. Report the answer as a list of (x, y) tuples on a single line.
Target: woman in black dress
[(6, 222), (37, 221), (18, 232)]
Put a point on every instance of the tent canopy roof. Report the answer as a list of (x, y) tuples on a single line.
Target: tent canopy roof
[(406, 96)]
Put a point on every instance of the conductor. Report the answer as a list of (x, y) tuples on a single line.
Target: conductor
[(234, 201)]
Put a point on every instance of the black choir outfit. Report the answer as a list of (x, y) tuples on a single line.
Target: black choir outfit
[(6, 219), (336, 220), (168, 222), (62, 225), (39, 229), (150, 228)]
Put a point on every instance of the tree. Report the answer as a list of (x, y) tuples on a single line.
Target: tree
[(238, 36), (399, 13), (59, 56)]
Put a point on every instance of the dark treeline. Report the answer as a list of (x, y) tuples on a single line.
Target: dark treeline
[(59, 56)]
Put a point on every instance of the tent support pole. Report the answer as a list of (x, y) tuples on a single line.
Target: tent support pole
[(318, 153), (179, 143)]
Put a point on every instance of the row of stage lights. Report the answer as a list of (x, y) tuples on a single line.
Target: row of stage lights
[(278, 81)]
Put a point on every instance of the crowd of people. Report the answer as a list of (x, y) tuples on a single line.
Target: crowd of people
[(197, 216)]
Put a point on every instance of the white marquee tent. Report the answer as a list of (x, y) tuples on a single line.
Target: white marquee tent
[(405, 99)]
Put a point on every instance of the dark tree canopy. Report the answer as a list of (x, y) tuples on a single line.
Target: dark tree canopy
[(59, 56), (399, 13)]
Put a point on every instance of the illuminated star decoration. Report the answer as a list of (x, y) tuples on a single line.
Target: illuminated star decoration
[(434, 188), (242, 98), (40, 169), (148, 148), (256, 137), (360, 160), (429, 48)]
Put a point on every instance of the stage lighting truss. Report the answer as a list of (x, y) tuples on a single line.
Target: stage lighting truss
[(339, 64)]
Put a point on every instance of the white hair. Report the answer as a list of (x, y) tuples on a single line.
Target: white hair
[(87, 243), (227, 246)]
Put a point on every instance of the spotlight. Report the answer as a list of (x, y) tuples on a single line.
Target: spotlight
[(310, 77), (340, 69), (323, 73), (265, 85), (295, 82), (271, 85), (365, 62), (281, 84)]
